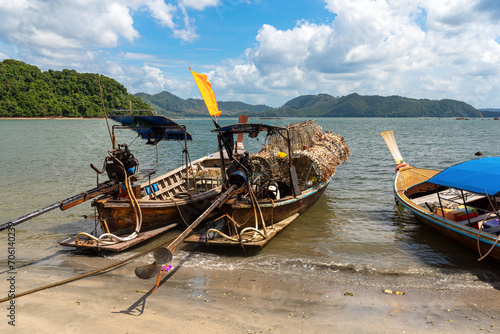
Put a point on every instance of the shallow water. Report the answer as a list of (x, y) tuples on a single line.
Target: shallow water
[(353, 233)]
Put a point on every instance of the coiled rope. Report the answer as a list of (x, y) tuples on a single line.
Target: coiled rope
[(137, 213), (256, 230)]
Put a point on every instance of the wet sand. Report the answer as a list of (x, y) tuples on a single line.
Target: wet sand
[(193, 300)]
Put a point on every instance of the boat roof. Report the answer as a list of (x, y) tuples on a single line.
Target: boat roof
[(160, 127), (479, 176), (248, 128)]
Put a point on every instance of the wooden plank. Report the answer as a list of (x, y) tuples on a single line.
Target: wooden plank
[(118, 247), (258, 242)]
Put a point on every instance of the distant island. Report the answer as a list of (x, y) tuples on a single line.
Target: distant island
[(355, 105), (321, 105), (490, 112), (29, 92), (168, 104)]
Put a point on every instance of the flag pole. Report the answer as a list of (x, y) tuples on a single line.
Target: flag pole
[(208, 95)]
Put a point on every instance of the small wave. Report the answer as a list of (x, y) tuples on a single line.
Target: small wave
[(349, 273)]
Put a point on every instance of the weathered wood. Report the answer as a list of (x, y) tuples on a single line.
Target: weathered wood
[(259, 242), (118, 247), (161, 206)]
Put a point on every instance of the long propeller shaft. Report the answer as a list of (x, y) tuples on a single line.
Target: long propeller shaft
[(164, 255), (64, 204)]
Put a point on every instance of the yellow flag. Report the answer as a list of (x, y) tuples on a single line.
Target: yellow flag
[(207, 93)]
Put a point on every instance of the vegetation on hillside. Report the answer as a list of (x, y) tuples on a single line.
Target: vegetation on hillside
[(355, 105), (490, 112), (26, 91), (169, 104)]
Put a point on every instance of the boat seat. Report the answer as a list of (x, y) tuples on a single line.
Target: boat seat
[(446, 195)]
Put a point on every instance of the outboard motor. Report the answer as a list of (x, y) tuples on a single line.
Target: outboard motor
[(240, 170), (113, 167)]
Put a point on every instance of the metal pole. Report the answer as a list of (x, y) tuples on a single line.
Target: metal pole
[(465, 206), (439, 198), (183, 127)]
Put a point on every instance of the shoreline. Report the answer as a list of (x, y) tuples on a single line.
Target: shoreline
[(257, 117), (43, 118), (197, 300)]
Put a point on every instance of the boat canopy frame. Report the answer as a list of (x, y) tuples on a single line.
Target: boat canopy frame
[(226, 140), (480, 176), (154, 128)]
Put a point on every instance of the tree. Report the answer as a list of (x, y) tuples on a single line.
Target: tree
[(29, 92)]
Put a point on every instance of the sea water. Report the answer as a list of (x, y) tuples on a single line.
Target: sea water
[(354, 233)]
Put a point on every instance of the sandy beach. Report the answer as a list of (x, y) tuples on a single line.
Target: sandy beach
[(194, 300)]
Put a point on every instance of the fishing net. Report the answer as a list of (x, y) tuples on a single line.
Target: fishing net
[(314, 154)]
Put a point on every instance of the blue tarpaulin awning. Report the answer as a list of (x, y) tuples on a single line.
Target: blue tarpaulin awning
[(479, 176), (153, 127), (247, 128)]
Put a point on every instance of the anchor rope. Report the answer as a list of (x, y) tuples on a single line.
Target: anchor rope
[(91, 273)]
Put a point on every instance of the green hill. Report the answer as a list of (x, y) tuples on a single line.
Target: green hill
[(168, 104), (355, 105), (490, 112), (29, 92)]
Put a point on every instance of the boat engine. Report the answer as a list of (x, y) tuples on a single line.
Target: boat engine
[(240, 170), (120, 158)]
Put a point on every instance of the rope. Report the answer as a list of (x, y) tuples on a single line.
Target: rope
[(239, 234), (179, 210), (84, 275), (480, 227), (105, 114), (137, 213), (160, 276)]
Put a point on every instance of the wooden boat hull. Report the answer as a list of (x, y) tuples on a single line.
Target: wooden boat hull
[(289, 174), (164, 201), (277, 210), (117, 216), (410, 180), (277, 215)]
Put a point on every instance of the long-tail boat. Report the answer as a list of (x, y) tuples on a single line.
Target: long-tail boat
[(136, 211), (460, 202), (287, 176)]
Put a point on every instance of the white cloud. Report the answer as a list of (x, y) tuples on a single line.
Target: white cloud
[(421, 49), (199, 4), (188, 33), (162, 12), (65, 24), (62, 25), (152, 80), (416, 48)]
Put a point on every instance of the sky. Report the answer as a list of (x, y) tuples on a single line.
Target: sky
[(267, 52)]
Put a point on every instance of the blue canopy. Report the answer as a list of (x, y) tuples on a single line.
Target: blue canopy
[(247, 128), (153, 127), (479, 176)]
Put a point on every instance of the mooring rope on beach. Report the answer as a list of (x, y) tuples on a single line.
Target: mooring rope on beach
[(94, 272)]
